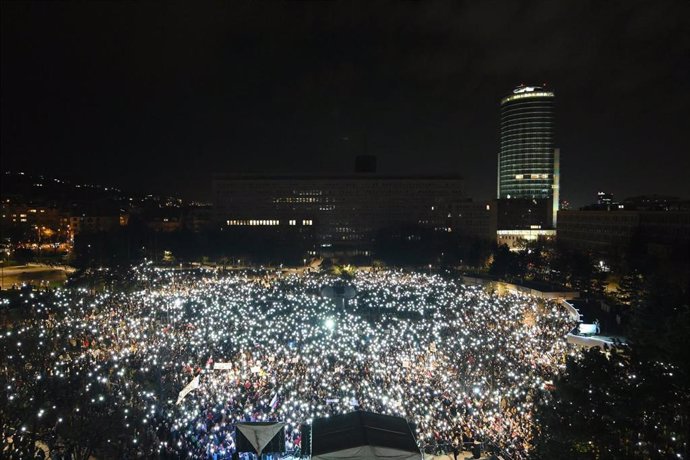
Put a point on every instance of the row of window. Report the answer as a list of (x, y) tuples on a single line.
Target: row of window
[(253, 222), (297, 200), (531, 176), (265, 222)]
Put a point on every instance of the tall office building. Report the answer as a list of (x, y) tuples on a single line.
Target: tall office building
[(528, 162)]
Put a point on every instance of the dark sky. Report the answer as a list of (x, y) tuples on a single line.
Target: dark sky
[(158, 96)]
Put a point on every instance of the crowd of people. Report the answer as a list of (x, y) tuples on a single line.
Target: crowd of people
[(458, 362)]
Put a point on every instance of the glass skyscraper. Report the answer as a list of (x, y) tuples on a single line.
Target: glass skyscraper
[(528, 162)]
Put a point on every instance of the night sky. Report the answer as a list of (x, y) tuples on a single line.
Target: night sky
[(158, 96)]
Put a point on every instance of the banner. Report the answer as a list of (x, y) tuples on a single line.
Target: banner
[(222, 366), (193, 385)]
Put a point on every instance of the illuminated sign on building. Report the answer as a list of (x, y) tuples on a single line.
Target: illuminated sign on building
[(524, 89)]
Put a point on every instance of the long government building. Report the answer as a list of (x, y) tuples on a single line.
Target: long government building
[(347, 210)]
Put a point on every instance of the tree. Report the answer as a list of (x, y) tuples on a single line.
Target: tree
[(630, 289), (612, 405), (505, 263), (631, 402), (598, 285)]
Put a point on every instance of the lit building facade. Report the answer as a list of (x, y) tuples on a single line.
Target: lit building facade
[(604, 199), (528, 178), (345, 210), (526, 163)]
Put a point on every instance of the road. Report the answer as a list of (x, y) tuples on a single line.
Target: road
[(32, 274)]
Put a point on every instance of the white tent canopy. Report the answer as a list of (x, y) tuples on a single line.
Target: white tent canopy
[(259, 435), (363, 435), (369, 453)]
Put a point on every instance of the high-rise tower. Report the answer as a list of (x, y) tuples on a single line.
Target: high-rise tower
[(528, 163)]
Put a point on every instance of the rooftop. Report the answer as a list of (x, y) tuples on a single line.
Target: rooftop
[(317, 177), (524, 92)]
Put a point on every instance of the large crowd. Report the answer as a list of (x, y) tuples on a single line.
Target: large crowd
[(458, 362)]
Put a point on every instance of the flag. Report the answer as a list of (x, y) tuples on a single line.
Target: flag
[(193, 385)]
